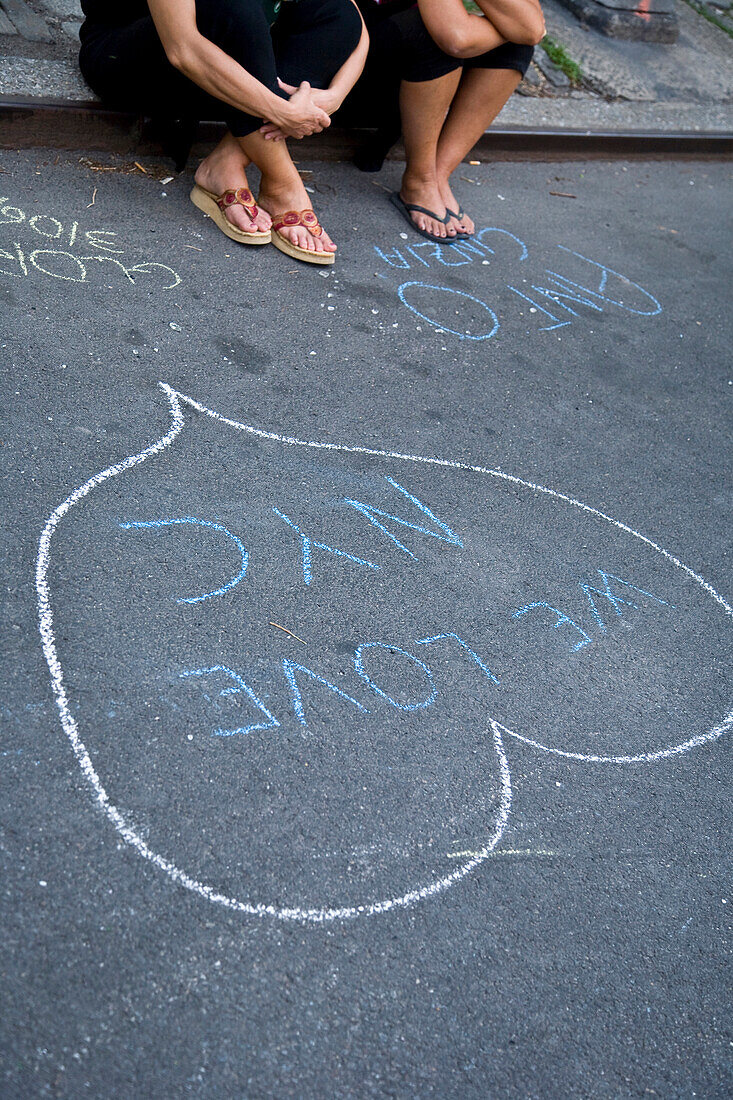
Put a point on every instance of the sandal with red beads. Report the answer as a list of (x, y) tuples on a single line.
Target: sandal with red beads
[(309, 221), (215, 205)]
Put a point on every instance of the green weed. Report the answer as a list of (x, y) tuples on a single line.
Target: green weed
[(710, 16), (560, 57)]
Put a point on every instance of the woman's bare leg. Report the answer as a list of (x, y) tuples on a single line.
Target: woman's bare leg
[(225, 169), (281, 189), (423, 107), (480, 97)]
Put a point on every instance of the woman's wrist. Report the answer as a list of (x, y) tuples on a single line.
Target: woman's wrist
[(328, 99), (280, 112)]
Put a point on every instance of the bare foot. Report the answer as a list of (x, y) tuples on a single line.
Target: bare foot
[(225, 170), (459, 225), (425, 192), (277, 196)]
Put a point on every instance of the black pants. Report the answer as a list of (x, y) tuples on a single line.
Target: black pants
[(311, 39)]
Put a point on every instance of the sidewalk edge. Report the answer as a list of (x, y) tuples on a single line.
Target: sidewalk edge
[(89, 126)]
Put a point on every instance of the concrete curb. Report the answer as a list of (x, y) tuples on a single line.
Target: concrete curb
[(59, 124), (627, 20)]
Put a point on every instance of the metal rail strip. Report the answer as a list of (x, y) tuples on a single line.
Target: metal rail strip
[(60, 124)]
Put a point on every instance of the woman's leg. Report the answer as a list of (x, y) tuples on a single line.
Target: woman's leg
[(488, 81), (281, 189), (406, 67), (423, 107), (128, 68), (225, 169), (480, 97), (313, 38), (310, 41)]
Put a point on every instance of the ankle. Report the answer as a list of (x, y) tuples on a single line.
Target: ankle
[(443, 175), (281, 184), (222, 165), (418, 178)]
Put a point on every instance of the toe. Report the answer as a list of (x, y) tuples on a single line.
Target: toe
[(240, 219)]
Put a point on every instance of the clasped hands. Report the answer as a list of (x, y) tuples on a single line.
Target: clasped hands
[(306, 111)]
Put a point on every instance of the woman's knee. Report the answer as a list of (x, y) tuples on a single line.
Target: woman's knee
[(517, 55), (335, 17), (240, 28), (313, 39), (523, 54), (510, 55)]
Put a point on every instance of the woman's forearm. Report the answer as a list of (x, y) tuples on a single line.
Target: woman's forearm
[(351, 70), (219, 75), (518, 21), (455, 31), (209, 67)]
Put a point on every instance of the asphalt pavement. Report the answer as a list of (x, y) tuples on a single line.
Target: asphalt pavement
[(367, 652)]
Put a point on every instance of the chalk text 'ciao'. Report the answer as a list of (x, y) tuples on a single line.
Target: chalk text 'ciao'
[(551, 296), (61, 256)]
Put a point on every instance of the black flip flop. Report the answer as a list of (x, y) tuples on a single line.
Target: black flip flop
[(406, 207), (460, 235)]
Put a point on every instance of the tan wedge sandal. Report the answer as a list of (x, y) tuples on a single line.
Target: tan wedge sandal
[(308, 219), (215, 205)]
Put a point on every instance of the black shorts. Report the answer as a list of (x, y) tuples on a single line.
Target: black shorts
[(401, 49), (402, 46)]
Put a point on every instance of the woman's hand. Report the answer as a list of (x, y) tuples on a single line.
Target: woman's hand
[(301, 115), (323, 100), (327, 99)]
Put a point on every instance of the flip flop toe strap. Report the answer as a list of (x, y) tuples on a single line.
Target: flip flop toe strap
[(241, 197), (415, 209), (290, 218)]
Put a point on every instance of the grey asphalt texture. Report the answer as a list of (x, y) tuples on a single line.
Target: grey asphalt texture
[(267, 901)]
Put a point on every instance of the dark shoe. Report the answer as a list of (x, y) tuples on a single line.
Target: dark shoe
[(373, 152)]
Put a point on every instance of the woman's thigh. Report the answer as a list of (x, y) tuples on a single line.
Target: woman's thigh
[(511, 55), (401, 46), (127, 66), (313, 39), (240, 28), (400, 49)]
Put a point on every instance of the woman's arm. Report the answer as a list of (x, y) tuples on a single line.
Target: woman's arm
[(519, 21), (463, 35), (221, 76), (330, 99), (455, 31)]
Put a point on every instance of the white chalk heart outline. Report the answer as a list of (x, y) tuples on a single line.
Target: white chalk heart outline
[(316, 915)]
